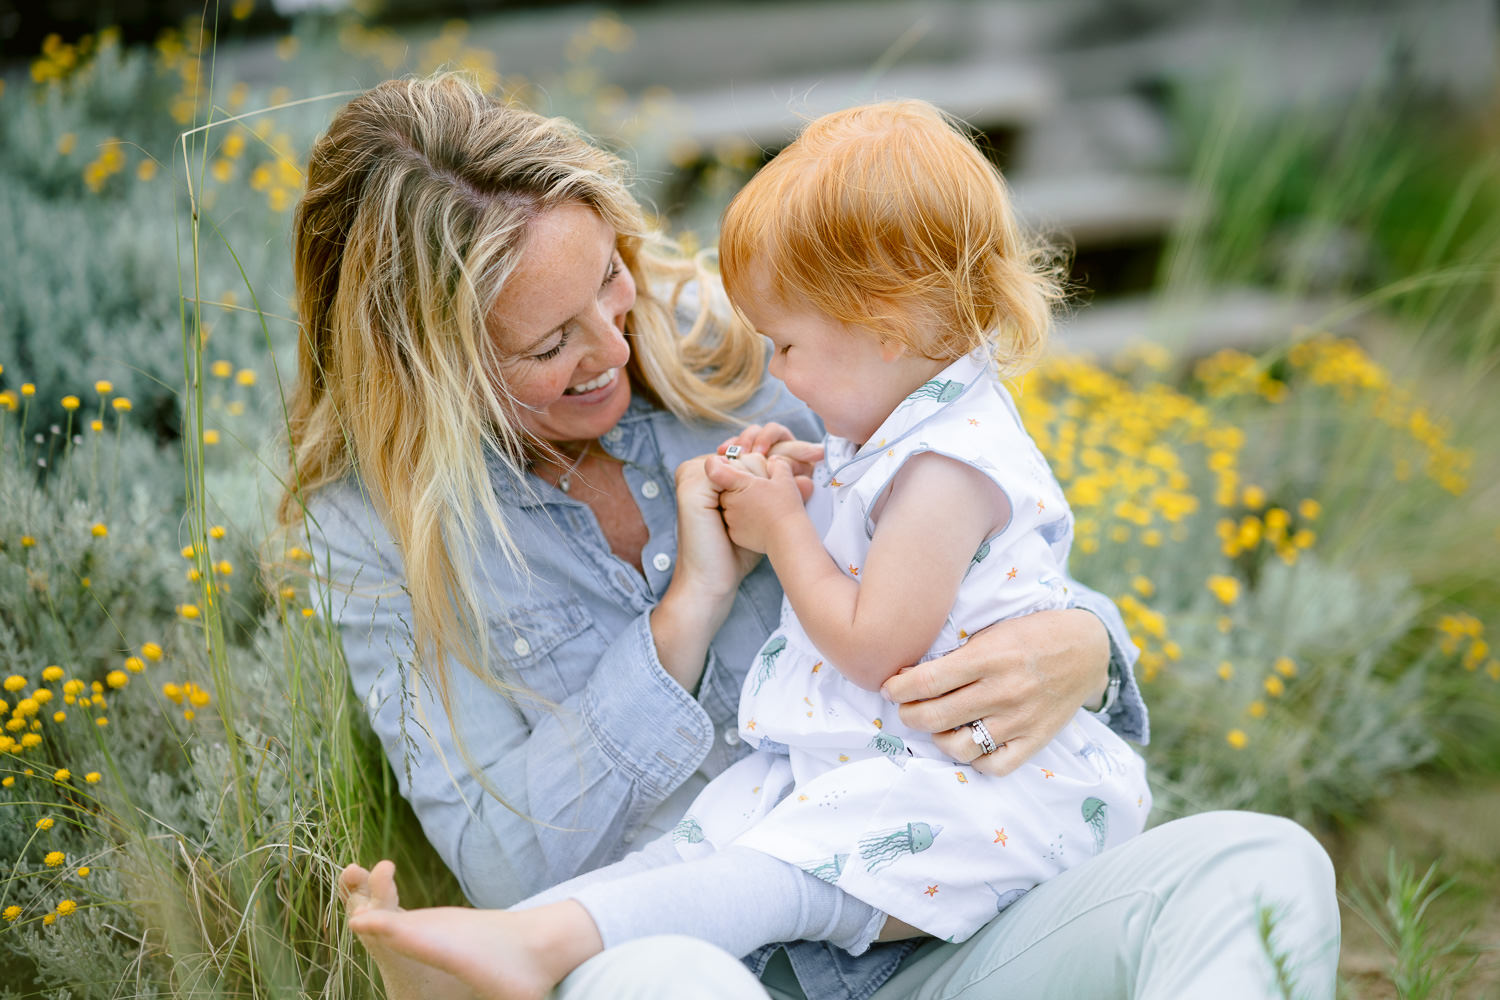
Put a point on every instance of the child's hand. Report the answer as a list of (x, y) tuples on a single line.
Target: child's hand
[(774, 439), (756, 496)]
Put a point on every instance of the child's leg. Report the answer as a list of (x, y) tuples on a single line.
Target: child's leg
[(738, 899)]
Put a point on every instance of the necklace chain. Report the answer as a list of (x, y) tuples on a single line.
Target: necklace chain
[(565, 481)]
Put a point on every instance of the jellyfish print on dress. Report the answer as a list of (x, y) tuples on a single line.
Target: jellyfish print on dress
[(939, 390), (774, 746), (1096, 755), (687, 831), (769, 653), (1056, 534), (1004, 899), (828, 869), (1096, 815), (980, 555), (884, 848), (894, 748)]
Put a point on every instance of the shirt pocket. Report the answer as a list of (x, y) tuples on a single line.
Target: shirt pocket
[(547, 650)]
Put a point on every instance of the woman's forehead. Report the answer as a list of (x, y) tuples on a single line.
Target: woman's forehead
[(564, 256)]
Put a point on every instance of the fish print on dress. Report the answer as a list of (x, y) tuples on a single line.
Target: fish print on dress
[(827, 869), (884, 848), (1004, 899), (687, 831), (1096, 815), (774, 647)]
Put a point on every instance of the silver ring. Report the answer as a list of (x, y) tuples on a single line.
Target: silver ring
[(980, 734), (732, 453)]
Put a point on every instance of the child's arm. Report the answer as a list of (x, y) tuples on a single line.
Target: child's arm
[(886, 615)]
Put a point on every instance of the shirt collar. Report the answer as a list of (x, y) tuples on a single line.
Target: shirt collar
[(846, 462)]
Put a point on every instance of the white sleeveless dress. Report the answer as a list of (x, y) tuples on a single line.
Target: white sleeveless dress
[(839, 787)]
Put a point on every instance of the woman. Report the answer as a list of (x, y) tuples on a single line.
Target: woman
[(503, 394)]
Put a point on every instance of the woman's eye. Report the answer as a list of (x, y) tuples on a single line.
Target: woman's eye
[(553, 351), (614, 271)]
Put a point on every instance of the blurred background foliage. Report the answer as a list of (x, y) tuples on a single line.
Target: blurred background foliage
[(1271, 403)]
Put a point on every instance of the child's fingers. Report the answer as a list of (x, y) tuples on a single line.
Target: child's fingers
[(768, 435), (802, 454), (726, 475)]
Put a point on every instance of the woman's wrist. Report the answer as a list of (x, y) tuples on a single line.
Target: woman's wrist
[(682, 626)]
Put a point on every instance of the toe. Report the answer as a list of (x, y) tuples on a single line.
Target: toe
[(382, 886)]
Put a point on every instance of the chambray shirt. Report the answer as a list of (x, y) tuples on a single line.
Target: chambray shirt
[(601, 736)]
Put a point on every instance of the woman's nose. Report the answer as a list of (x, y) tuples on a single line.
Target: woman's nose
[(609, 342)]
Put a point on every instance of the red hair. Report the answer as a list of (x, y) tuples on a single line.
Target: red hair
[(886, 217)]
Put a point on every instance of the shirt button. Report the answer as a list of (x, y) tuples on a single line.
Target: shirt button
[(650, 490), (661, 561), (613, 434), (732, 737), (521, 646)]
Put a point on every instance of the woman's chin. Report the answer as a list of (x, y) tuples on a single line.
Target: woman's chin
[(584, 416)]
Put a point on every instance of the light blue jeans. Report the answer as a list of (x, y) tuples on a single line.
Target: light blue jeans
[(1174, 914)]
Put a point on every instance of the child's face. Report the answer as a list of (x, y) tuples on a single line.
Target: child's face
[(849, 377)]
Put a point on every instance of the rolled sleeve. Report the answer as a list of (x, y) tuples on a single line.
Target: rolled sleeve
[(1126, 712)]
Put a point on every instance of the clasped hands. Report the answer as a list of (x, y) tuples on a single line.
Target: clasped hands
[(764, 484)]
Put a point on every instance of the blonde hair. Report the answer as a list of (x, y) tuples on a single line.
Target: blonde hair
[(887, 218), (418, 201)]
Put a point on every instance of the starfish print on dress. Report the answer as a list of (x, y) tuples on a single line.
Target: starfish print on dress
[(1000, 837), (931, 890)]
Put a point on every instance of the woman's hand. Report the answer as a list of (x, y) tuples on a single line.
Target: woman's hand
[(708, 574), (774, 439), (1024, 678)]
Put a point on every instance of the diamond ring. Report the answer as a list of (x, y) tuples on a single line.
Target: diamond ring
[(980, 734)]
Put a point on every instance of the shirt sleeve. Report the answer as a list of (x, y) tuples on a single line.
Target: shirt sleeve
[(1124, 709), (567, 784)]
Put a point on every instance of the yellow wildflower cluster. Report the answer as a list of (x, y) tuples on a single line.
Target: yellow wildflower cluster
[(1115, 450), (24, 729), (450, 48), (60, 60), (1464, 632), (1148, 630), (1234, 373), (1345, 366), (187, 693), (1274, 528)]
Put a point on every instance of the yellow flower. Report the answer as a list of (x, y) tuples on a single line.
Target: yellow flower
[(189, 715), (117, 678), (188, 611), (134, 664), (92, 777), (52, 674), (287, 593), (27, 389), (62, 774), (45, 823), (197, 696), (210, 436), (84, 871), (54, 859), (188, 552), (145, 170), (121, 404), (104, 387), (27, 541), (1254, 497), (222, 171), (308, 612), (66, 143), (70, 403), (217, 531), (151, 651), (1237, 739), (101, 722), (66, 907), (1172, 651), (15, 682), (221, 369), (1224, 623), (1226, 670), (245, 377), (1274, 687), (1285, 666), (99, 530), (7, 781), (50, 918), (1225, 588), (11, 913), (1304, 539), (1310, 509), (96, 426), (172, 691), (224, 567)]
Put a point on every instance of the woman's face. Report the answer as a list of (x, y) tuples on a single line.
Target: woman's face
[(560, 327)]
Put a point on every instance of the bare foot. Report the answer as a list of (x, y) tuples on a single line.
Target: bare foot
[(499, 954), (365, 892)]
